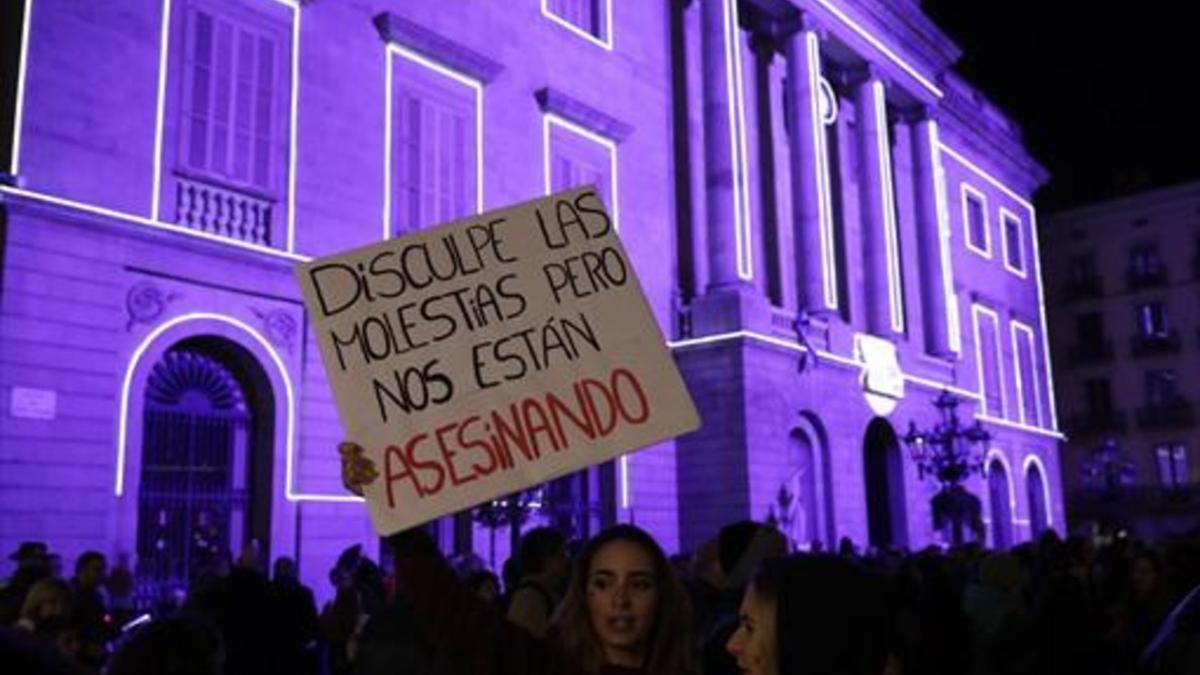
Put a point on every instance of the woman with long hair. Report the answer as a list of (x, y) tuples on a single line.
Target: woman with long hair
[(625, 609), (624, 613), (816, 615)]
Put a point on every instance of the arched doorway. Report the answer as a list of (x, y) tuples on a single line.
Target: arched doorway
[(205, 485), (1001, 508), (1035, 486), (798, 496), (883, 467)]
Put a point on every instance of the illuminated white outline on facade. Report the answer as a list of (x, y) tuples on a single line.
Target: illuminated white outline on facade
[(293, 114), (476, 86), (141, 220), (19, 111), (1019, 327), (289, 401), (821, 160), (606, 42), (1047, 361), (967, 192), (1034, 459), (884, 49), (550, 119), (976, 310), (953, 317), (1006, 217), (735, 91), (890, 235)]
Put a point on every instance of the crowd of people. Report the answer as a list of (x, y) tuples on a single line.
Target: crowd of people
[(742, 603)]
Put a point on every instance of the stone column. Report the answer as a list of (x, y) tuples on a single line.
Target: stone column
[(881, 247), (811, 198), (719, 137), (937, 282)]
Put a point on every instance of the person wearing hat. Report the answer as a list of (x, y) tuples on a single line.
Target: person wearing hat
[(31, 559)]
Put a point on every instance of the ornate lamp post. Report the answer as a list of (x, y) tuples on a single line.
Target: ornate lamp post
[(949, 454)]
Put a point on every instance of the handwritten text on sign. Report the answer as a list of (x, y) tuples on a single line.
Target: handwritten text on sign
[(487, 355)]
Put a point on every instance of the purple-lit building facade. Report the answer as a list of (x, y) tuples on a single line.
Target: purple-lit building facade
[(831, 226)]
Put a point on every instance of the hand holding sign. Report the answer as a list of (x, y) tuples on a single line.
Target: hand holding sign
[(483, 356)]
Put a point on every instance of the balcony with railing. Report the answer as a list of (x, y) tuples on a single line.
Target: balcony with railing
[(225, 211)]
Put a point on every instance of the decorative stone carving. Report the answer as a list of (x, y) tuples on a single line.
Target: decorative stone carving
[(279, 326), (145, 302)]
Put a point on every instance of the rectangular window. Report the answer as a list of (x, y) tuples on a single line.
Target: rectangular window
[(1144, 260), (588, 18), (987, 357), (1028, 388), (1152, 320), (232, 99), (1082, 270), (1160, 388), (576, 156), (1171, 460), (1098, 396), (1089, 328), (434, 142), (975, 221), (1014, 252)]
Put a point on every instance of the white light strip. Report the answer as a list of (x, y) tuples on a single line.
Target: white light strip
[(293, 128), (550, 119), (164, 42), (624, 469), (1048, 433), (1012, 333), (976, 310), (938, 386), (293, 116), (967, 193), (878, 44), (892, 245), (1034, 459), (1037, 261), (953, 318), (139, 220), (1006, 217), (737, 142), (821, 162), (830, 356), (1018, 327), (606, 42), (289, 398), (475, 85), (19, 110), (827, 356), (997, 454)]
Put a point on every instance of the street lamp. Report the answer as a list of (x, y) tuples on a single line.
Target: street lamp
[(949, 454)]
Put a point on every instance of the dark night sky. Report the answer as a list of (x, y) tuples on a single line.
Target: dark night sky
[(1106, 94)]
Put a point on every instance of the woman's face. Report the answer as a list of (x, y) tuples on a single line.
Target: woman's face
[(622, 599), (753, 644)]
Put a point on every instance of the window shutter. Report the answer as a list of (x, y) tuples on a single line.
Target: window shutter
[(263, 111), (199, 118)]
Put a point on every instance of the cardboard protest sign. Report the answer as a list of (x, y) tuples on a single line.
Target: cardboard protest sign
[(483, 356)]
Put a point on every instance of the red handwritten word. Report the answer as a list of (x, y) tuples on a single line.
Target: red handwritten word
[(478, 446)]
